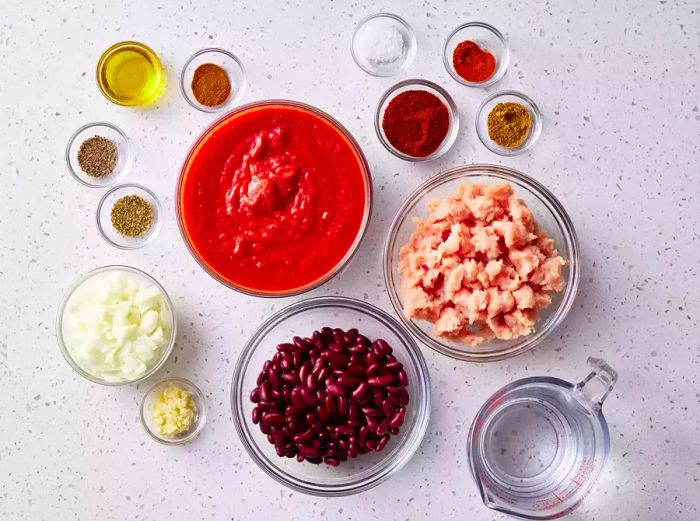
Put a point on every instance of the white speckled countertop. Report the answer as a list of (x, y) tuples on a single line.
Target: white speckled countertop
[(618, 85)]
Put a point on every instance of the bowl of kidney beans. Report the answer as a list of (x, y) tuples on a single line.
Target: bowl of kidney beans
[(331, 396)]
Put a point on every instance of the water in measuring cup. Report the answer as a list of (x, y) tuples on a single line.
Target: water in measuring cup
[(536, 446)]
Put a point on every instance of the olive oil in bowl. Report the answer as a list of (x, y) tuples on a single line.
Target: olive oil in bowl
[(130, 73)]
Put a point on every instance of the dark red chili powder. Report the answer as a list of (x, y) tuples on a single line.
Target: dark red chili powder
[(472, 62), (416, 122)]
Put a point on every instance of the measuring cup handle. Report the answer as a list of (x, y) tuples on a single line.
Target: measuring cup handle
[(598, 384)]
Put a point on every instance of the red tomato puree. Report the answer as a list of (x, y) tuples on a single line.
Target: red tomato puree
[(273, 197)]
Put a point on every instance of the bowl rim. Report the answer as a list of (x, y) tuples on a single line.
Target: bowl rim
[(229, 102), (115, 176), (415, 356), (201, 411), (152, 57), (571, 242), (366, 173), (156, 226), (413, 44), (532, 137), (165, 353), (426, 85), (500, 71)]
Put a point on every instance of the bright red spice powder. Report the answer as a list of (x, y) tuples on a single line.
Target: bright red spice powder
[(472, 62), (416, 122)]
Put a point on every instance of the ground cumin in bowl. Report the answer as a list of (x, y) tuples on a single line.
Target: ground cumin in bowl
[(508, 123), (212, 80)]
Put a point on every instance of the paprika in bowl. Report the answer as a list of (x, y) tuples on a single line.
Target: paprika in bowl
[(417, 120), (274, 198)]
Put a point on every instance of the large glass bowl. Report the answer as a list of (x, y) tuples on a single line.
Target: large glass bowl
[(354, 475), (348, 255), (165, 351), (550, 216)]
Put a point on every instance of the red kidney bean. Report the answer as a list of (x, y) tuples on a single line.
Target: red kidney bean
[(403, 377), (323, 415), (290, 378), (273, 378), (348, 381), (382, 442), (374, 369), (329, 403), (334, 388), (388, 407), (307, 451), (337, 348), (383, 380), (397, 420), (312, 382), (363, 340), (360, 391), (323, 374), (273, 419), (383, 427), (394, 366), (330, 397), (265, 394), (341, 405), (309, 398)]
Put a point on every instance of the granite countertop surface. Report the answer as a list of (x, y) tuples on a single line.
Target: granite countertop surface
[(617, 83)]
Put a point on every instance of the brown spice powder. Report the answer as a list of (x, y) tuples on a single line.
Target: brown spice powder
[(210, 85), (509, 124)]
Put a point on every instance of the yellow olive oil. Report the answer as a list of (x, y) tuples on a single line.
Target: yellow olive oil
[(130, 73)]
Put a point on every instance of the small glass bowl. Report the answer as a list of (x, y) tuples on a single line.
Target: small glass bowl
[(550, 216), (106, 130), (374, 25), (226, 61), (428, 86), (485, 36), (506, 96), (104, 217), (108, 68), (199, 418), (354, 475), (165, 352)]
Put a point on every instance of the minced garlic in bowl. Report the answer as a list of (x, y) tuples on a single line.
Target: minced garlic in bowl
[(173, 411)]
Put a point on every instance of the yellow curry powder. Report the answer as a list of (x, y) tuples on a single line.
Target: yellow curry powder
[(509, 124)]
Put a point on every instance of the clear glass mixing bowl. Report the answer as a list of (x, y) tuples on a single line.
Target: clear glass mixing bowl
[(550, 216), (354, 475)]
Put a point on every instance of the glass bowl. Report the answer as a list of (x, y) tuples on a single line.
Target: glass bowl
[(550, 216), (128, 59), (428, 86), (106, 130), (342, 264), (366, 36), (165, 352), (199, 418), (485, 36), (354, 475), (225, 60), (104, 217), (506, 96)]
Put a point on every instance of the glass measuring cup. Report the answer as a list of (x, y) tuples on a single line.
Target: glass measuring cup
[(538, 445)]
